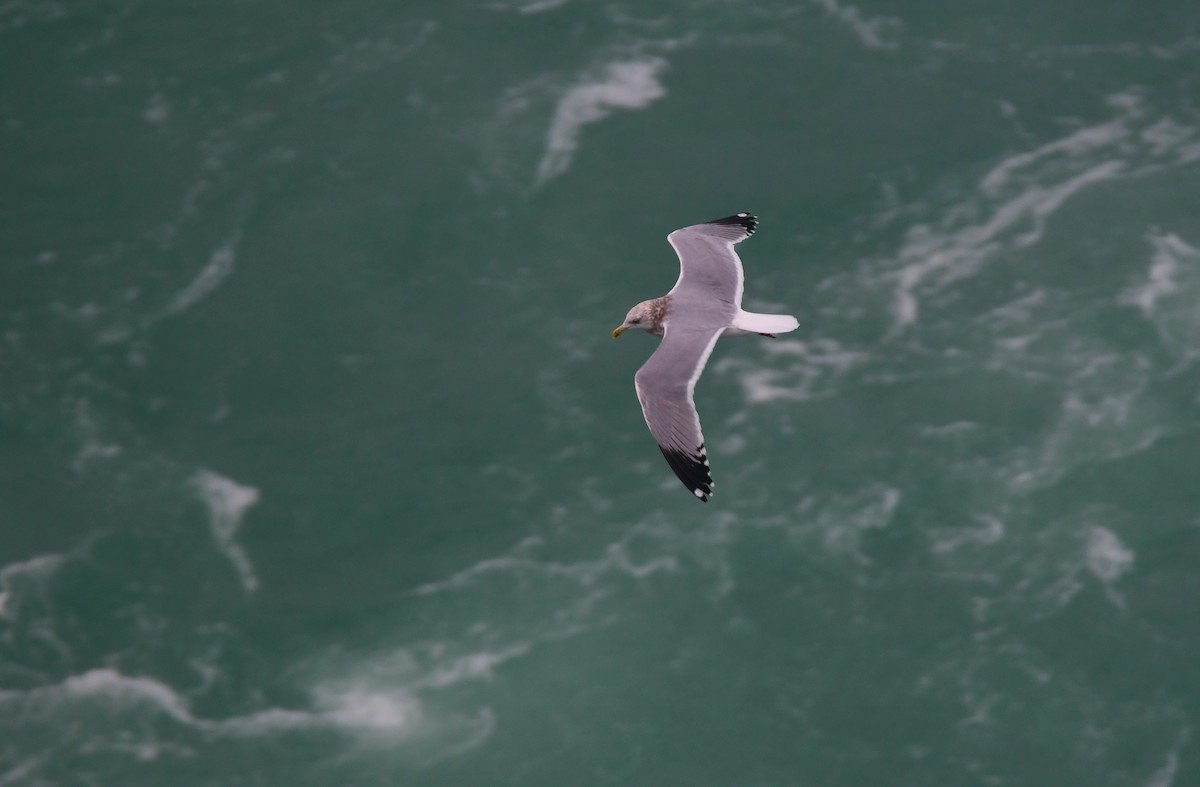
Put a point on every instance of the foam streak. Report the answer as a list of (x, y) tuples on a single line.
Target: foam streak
[(227, 502), (631, 84)]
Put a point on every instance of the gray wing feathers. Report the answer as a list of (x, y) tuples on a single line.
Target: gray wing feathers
[(665, 384), (710, 272)]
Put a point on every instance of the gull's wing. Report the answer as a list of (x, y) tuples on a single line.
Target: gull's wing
[(665, 384), (709, 269)]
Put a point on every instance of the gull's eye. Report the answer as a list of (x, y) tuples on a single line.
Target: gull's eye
[(635, 320)]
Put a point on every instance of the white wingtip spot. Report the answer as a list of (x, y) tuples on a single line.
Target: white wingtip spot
[(698, 493)]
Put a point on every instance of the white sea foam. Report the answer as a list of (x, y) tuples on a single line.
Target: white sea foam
[(1165, 776), (990, 531), (521, 560), (20, 772), (518, 559), (15, 14), (1107, 557), (948, 431), (106, 685), (585, 572), (381, 699), (227, 502), (1164, 268), (1188, 153), (564, 598), (1014, 201), (1074, 145), (810, 370), (1168, 296), (843, 520), (1108, 560), (629, 84), (871, 31), (953, 254), (106, 711), (474, 666), (157, 110), (1033, 569), (362, 708), (1166, 135), (351, 710), (1105, 414), (1041, 203), (541, 6), (359, 56), (93, 448), (12, 576), (219, 268), (1108, 400)]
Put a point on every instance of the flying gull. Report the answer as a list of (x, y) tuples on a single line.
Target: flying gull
[(704, 305)]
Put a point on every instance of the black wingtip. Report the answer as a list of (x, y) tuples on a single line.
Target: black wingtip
[(692, 470), (747, 221)]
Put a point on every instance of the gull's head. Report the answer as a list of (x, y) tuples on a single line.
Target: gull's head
[(640, 316)]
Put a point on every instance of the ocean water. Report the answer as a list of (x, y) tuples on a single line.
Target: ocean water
[(318, 465)]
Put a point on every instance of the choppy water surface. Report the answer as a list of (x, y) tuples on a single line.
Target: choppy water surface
[(317, 464)]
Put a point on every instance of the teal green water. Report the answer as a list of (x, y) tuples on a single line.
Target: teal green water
[(318, 465)]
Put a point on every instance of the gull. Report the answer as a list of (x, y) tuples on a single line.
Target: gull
[(704, 305)]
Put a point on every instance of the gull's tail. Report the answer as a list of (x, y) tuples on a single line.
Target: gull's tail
[(769, 324)]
